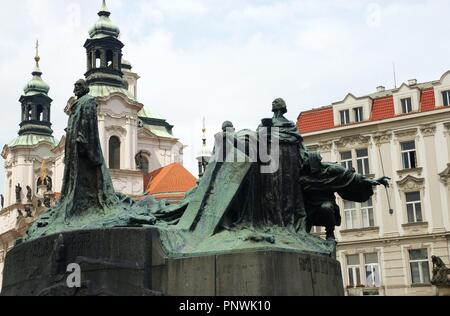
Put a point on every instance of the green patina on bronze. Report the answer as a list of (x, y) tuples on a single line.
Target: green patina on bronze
[(235, 207)]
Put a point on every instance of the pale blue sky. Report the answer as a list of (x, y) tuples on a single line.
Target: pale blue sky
[(226, 59)]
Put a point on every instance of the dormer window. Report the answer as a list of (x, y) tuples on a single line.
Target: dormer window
[(359, 114), (345, 117), (446, 98), (406, 105)]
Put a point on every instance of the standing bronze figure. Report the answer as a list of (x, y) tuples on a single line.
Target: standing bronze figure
[(87, 185)]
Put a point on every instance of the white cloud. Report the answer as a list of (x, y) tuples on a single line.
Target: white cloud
[(227, 59)]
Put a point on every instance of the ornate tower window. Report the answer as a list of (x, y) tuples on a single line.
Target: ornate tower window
[(114, 153)]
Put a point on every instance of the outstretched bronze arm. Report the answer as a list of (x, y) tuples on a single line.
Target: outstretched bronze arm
[(381, 181)]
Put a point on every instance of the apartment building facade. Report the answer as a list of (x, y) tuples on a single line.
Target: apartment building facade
[(385, 245)]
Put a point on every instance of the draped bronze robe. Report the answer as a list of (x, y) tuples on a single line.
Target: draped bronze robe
[(87, 184)]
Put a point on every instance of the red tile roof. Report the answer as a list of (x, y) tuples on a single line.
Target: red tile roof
[(427, 100), (316, 120), (172, 180), (382, 109)]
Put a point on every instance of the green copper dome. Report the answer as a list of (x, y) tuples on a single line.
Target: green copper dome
[(104, 26), (36, 85)]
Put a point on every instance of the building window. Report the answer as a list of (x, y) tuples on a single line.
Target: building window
[(446, 98), (359, 115), (114, 153), (406, 105), (350, 215), (347, 160), (345, 117), (409, 155), (362, 161), (372, 270), (354, 275), (367, 214), (414, 207), (420, 269)]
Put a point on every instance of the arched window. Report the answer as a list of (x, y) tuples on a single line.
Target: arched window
[(114, 153), (109, 59), (39, 113), (98, 62)]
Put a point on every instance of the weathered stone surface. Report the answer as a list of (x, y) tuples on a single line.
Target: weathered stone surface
[(131, 262)]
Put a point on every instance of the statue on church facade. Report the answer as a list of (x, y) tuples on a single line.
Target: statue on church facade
[(18, 193), (29, 194)]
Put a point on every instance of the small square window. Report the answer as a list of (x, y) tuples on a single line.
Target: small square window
[(446, 98), (414, 207), (409, 155), (359, 114), (406, 105), (345, 117), (420, 267)]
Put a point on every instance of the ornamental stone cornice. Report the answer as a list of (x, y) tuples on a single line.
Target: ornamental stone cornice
[(117, 129), (412, 171), (352, 141), (408, 133), (445, 176), (428, 130), (411, 184)]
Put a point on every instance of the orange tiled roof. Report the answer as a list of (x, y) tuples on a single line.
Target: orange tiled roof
[(427, 100), (382, 109), (316, 120), (173, 178)]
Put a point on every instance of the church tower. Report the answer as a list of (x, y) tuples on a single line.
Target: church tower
[(36, 104), (104, 52)]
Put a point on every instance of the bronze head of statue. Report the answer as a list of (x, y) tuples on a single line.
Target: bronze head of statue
[(279, 106), (81, 88), (228, 127)]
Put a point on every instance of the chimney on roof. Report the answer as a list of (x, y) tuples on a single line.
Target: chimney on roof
[(412, 82), (381, 89)]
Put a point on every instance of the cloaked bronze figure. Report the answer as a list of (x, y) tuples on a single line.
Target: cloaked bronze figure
[(88, 186)]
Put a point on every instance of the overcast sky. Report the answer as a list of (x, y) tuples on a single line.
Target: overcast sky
[(226, 60)]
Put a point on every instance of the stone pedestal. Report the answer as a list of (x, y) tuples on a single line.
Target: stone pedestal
[(131, 262)]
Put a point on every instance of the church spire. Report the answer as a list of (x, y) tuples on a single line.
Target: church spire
[(104, 52), (205, 155), (37, 70), (104, 10), (36, 103)]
